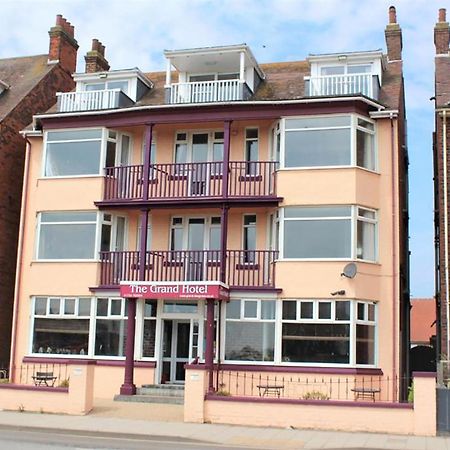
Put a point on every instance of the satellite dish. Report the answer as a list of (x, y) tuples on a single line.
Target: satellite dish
[(349, 270)]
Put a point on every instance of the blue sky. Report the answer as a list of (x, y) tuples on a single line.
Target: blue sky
[(135, 32)]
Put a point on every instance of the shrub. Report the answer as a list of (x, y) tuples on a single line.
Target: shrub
[(315, 395)]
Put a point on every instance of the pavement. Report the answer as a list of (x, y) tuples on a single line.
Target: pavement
[(166, 421)]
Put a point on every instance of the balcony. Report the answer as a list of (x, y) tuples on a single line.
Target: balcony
[(244, 268), (207, 91), (170, 183), (92, 100), (336, 85)]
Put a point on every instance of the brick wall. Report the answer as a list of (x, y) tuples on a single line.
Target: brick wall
[(12, 152)]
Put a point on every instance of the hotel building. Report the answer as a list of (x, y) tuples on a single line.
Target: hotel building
[(222, 214)]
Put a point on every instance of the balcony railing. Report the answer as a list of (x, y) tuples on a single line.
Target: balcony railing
[(92, 100), (208, 91), (244, 268), (191, 180), (366, 84)]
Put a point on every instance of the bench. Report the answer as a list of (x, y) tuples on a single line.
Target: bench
[(44, 379), (268, 389), (364, 392)]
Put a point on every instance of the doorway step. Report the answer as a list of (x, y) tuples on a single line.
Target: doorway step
[(156, 393)]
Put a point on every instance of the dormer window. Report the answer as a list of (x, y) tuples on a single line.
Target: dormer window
[(345, 74), (213, 74)]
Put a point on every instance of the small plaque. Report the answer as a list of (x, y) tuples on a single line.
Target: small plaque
[(194, 377)]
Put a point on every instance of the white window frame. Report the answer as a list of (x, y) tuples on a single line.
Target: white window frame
[(258, 319), (353, 321), (353, 141), (99, 221), (354, 218), (103, 143)]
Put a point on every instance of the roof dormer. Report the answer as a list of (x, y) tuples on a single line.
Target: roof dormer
[(105, 90), (338, 74), (212, 74)]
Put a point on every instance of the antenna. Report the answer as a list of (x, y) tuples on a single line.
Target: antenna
[(349, 270)]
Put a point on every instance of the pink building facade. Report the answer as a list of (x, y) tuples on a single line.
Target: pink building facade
[(247, 221)]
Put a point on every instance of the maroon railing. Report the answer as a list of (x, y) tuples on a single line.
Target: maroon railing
[(191, 180), (244, 268)]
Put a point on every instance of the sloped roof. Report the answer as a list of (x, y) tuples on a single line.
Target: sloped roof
[(423, 320), (21, 75)]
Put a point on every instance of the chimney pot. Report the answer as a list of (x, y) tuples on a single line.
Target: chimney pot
[(59, 19), (442, 15), (392, 15)]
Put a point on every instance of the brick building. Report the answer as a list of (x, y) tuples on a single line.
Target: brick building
[(441, 148), (27, 86), (226, 215)]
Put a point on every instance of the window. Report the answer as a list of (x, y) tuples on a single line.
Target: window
[(67, 235), (149, 234), (321, 331), (110, 327), (149, 338), (61, 325), (250, 330), (217, 153), (80, 152), (73, 153), (176, 234), (328, 232), (329, 141), (122, 85), (249, 238), (251, 151), (215, 234)]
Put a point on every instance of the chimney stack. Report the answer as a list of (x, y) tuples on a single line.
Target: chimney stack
[(63, 46), (393, 35), (95, 58), (442, 34)]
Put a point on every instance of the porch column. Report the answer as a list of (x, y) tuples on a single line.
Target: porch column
[(168, 72), (226, 157), (128, 387), (209, 351), (147, 159), (223, 244), (242, 67)]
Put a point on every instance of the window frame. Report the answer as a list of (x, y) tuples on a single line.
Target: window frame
[(353, 127), (352, 322), (354, 218)]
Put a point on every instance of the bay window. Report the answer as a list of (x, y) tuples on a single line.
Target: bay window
[(329, 141), (84, 152), (329, 232)]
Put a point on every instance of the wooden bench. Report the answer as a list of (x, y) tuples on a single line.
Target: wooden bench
[(268, 389), (364, 392), (44, 379)]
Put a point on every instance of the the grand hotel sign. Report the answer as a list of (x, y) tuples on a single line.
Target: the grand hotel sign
[(174, 289)]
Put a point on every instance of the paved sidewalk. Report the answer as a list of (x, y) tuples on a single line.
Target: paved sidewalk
[(154, 420)]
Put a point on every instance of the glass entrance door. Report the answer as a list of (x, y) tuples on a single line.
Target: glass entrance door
[(199, 175), (176, 350), (196, 244)]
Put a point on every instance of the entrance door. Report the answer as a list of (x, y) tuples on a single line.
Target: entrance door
[(177, 349)]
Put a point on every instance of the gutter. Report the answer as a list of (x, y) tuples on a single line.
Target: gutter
[(17, 283), (366, 100)]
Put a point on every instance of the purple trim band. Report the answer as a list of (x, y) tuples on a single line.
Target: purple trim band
[(424, 374), (286, 401), (97, 362), (21, 387), (290, 369)]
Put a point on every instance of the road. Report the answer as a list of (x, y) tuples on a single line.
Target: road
[(25, 439)]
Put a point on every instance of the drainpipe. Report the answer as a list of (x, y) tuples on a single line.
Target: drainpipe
[(394, 261), (444, 151), (17, 283)]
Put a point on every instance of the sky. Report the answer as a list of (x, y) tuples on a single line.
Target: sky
[(135, 33)]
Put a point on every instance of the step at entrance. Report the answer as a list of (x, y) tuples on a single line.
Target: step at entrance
[(156, 393)]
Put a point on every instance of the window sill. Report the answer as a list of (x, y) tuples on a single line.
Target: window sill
[(68, 177), (96, 261), (362, 261), (289, 169)]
